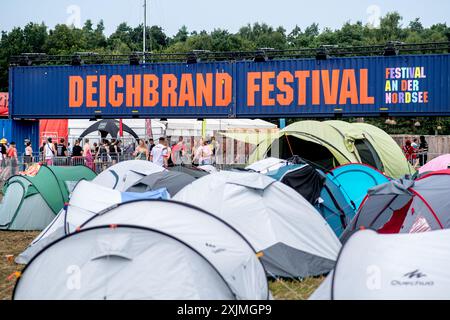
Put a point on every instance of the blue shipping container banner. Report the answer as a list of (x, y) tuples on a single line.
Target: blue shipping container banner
[(409, 85)]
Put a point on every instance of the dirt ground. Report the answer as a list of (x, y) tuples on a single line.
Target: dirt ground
[(13, 243)]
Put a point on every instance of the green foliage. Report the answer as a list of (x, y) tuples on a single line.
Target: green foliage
[(64, 40)]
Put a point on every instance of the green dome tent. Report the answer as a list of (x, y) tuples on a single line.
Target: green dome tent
[(32, 202), (333, 143)]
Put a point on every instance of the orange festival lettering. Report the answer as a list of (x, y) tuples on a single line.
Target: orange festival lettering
[(190, 90)]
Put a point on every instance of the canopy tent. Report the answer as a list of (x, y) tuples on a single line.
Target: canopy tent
[(86, 200), (387, 268), (124, 174), (406, 206), (294, 240), (31, 202), (333, 143), (221, 245), (108, 126), (173, 181), (439, 163), (355, 180), (122, 263), (193, 127)]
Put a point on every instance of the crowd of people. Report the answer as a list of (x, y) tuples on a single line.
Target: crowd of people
[(416, 151), (107, 151)]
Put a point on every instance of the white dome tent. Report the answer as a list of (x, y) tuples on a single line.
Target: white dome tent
[(411, 266), (86, 200), (293, 238), (119, 263), (124, 174), (225, 250)]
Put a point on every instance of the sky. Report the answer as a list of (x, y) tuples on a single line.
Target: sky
[(210, 14)]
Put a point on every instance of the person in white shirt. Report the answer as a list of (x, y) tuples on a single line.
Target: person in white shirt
[(159, 153), (49, 152), (204, 154)]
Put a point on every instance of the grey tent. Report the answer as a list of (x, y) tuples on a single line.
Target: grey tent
[(405, 206), (291, 236), (146, 249), (190, 170), (173, 181), (121, 263), (108, 126)]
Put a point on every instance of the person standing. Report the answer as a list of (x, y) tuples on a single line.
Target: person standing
[(159, 153), (423, 151), (178, 151), (151, 145), (214, 145), (28, 157), (3, 152), (204, 154), (61, 152), (113, 153), (87, 153), (141, 152), (49, 152), (12, 158), (410, 152), (77, 151)]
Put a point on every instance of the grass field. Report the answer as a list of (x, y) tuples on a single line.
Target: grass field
[(13, 243)]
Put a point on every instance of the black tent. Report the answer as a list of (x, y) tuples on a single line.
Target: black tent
[(173, 181), (108, 126)]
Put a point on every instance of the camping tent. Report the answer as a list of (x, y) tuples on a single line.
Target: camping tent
[(31, 202), (174, 273), (301, 177), (86, 200), (333, 205), (124, 174), (406, 206), (294, 240), (214, 238), (387, 268), (355, 179), (333, 143), (193, 171), (439, 163), (317, 187), (173, 181), (121, 263), (108, 126), (266, 165)]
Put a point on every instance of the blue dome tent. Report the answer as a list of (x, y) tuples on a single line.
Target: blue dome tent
[(355, 179)]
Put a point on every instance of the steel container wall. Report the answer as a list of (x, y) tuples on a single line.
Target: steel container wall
[(43, 92), (436, 83), (18, 131)]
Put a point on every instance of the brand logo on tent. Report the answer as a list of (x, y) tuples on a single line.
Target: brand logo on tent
[(414, 274), (412, 279)]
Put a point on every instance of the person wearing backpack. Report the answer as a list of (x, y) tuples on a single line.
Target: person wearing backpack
[(49, 152)]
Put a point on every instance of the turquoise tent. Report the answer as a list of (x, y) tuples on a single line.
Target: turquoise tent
[(355, 179)]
